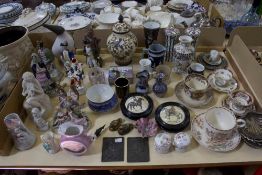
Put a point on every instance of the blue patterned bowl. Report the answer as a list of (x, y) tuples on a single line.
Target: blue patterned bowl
[(101, 98)]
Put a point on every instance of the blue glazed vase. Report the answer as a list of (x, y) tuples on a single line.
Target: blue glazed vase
[(160, 88)]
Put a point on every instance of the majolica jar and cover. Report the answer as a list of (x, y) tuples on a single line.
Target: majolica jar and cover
[(122, 43)]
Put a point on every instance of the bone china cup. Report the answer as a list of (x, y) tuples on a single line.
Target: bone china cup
[(222, 122), (196, 85)]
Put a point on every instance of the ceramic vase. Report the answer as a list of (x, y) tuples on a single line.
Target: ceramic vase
[(122, 43), (183, 54), (151, 29), (15, 48), (142, 84), (160, 88), (172, 35), (23, 138)]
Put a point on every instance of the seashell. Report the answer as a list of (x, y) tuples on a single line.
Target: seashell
[(125, 128), (115, 124)]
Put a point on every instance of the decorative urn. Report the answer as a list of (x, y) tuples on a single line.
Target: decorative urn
[(122, 43)]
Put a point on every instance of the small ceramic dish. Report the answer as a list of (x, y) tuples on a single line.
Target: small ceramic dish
[(202, 102), (101, 98), (129, 4), (222, 80), (136, 105), (240, 103), (108, 18), (205, 137), (172, 116), (222, 65), (74, 22)]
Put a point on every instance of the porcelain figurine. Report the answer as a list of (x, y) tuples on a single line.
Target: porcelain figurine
[(76, 74), (122, 43), (160, 88), (183, 54), (61, 116), (42, 75), (23, 138), (92, 48), (47, 57), (74, 138), (67, 54), (147, 127), (5, 79), (96, 75), (142, 84), (41, 124), (62, 37), (49, 142), (35, 96)]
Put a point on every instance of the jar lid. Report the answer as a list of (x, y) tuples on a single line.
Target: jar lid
[(121, 27)]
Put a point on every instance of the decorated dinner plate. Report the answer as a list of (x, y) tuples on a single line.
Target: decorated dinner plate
[(172, 116), (136, 105), (74, 22)]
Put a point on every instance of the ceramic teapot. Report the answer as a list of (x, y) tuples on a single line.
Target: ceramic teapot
[(202, 20), (74, 138)]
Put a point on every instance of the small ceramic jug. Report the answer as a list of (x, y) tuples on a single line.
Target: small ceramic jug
[(142, 84), (49, 142), (23, 138)]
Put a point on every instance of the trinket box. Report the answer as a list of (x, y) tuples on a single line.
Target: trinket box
[(120, 71)]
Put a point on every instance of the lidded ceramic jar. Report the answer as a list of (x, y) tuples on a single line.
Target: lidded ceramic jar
[(183, 54), (163, 143), (181, 141), (122, 43)]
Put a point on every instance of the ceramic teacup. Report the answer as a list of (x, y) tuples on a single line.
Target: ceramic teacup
[(220, 123), (241, 100), (196, 68), (145, 64), (196, 85), (214, 56), (122, 87), (222, 77)]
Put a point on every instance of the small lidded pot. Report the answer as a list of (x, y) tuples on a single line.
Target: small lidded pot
[(122, 43), (163, 143), (181, 141)]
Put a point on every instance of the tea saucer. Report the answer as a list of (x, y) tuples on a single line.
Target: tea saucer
[(215, 63), (184, 98), (199, 132), (222, 65), (74, 22), (228, 103), (231, 85)]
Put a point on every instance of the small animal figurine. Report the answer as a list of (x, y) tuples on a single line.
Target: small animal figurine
[(35, 96), (62, 37), (41, 124)]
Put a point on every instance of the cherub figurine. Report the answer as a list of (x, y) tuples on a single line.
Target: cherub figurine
[(41, 124), (92, 49), (35, 96)]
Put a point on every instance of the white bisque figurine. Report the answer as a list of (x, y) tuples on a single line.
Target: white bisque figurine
[(35, 96), (41, 124)]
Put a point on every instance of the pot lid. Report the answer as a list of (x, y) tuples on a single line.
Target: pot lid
[(121, 27), (187, 13)]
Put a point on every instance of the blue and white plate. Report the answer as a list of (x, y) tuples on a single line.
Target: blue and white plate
[(71, 7), (9, 12)]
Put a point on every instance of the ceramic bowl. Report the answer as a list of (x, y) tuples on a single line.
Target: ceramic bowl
[(196, 68), (101, 98), (222, 77), (108, 18), (196, 85)]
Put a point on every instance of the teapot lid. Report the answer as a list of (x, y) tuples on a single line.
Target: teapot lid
[(121, 27)]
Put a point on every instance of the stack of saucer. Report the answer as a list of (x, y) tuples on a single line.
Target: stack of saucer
[(213, 60), (240, 102), (252, 132), (9, 12)]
